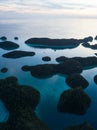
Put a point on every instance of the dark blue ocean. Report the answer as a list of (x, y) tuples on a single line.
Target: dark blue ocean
[(50, 88)]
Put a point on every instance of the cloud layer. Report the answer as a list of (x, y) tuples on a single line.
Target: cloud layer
[(64, 7)]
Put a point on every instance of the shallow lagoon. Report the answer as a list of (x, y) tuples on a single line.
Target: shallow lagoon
[(50, 88)]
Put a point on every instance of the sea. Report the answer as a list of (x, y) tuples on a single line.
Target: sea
[(50, 88)]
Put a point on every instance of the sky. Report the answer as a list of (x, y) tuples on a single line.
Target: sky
[(76, 8)]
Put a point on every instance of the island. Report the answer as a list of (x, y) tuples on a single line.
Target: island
[(8, 45), (74, 101), (18, 54), (21, 102), (48, 70), (56, 43), (83, 126)]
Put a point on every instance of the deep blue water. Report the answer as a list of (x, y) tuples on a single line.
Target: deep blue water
[(51, 88)]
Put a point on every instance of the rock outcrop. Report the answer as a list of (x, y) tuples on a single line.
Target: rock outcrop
[(21, 101), (3, 38), (86, 62), (83, 126), (53, 43), (18, 54), (95, 79), (46, 58), (4, 70), (76, 80), (8, 45), (74, 101), (48, 70)]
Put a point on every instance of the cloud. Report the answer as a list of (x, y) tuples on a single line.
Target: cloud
[(64, 7)]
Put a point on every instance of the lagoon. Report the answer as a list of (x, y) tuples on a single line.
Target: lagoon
[(50, 88)]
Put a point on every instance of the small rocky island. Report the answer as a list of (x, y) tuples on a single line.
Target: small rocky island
[(4, 70), (86, 62), (82, 126), (74, 101), (3, 38), (46, 58), (8, 45), (18, 54), (75, 80)]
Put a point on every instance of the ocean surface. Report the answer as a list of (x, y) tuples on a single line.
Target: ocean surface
[(50, 88)]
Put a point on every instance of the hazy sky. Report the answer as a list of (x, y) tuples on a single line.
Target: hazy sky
[(86, 8)]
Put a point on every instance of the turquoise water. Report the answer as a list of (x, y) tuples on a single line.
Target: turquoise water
[(51, 88)]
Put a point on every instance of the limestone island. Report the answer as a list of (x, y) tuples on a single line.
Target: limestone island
[(95, 79), (95, 37), (8, 45), (46, 58), (16, 38), (3, 38), (75, 80), (88, 45), (82, 126), (48, 70), (18, 54), (74, 101), (56, 43), (4, 70), (86, 62), (67, 66), (21, 101)]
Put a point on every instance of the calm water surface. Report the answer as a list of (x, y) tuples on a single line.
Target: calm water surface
[(50, 88)]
